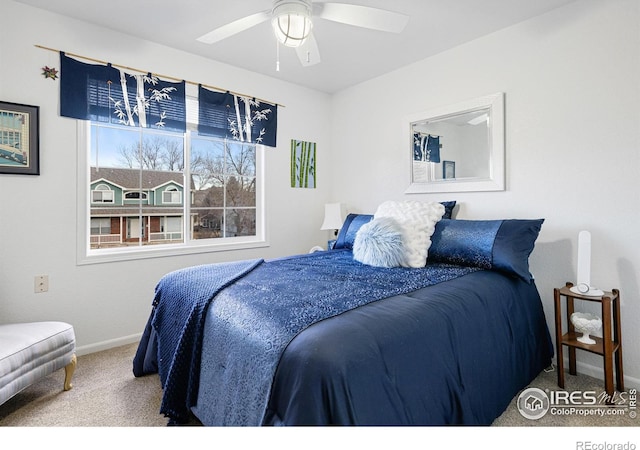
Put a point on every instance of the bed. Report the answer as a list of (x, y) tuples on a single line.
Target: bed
[(326, 339)]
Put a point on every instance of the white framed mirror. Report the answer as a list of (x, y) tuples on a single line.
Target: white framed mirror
[(457, 148)]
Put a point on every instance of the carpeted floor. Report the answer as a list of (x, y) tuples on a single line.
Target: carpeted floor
[(106, 394)]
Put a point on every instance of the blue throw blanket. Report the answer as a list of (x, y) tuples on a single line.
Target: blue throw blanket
[(179, 306)]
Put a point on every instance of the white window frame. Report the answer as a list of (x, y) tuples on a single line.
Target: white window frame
[(87, 255)]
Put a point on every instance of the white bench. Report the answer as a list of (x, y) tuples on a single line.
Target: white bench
[(31, 351)]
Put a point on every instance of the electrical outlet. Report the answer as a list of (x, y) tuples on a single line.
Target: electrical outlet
[(41, 283)]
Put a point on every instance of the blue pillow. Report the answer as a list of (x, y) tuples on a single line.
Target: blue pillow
[(448, 209), (502, 245), (353, 222), (379, 243), (350, 227)]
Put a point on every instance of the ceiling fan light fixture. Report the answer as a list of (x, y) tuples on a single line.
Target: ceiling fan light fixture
[(291, 21)]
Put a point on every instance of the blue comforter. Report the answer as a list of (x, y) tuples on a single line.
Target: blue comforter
[(255, 316), (456, 352)]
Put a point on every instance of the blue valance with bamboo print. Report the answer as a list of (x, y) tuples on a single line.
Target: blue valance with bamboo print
[(232, 116), (104, 93), (426, 148)]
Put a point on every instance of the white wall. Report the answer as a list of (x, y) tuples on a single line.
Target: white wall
[(572, 93), (109, 303)]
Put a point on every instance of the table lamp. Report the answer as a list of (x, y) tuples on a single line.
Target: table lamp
[(332, 218)]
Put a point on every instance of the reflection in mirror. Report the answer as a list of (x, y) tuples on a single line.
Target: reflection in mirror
[(458, 148)]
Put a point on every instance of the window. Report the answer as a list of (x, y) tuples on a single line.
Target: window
[(171, 228), (102, 194), (160, 192), (100, 225), (223, 173), (136, 195), (101, 232), (141, 135), (171, 195), (10, 129)]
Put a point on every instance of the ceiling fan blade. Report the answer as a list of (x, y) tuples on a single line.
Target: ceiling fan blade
[(235, 27), (308, 52), (362, 16)]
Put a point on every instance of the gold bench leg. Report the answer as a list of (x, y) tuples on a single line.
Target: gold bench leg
[(69, 369)]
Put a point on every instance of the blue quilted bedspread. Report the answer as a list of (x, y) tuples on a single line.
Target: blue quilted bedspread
[(249, 332)]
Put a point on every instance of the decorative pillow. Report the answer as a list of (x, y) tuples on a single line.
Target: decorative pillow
[(448, 209), (418, 220), (503, 245), (353, 222), (349, 228), (379, 243)]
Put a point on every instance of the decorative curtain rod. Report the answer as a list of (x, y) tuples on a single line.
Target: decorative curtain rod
[(158, 75)]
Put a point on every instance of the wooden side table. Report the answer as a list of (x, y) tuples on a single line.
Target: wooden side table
[(607, 346)]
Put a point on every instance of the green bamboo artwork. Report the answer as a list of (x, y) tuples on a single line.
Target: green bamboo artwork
[(303, 164)]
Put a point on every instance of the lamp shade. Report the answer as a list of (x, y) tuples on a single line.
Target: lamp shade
[(291, 22), (332, 216)]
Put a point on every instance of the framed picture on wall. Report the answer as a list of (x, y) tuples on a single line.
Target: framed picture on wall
[(448, 169), (19, 139)]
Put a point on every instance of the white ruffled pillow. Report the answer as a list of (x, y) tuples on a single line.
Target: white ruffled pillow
[(380, 243), (418, 221)]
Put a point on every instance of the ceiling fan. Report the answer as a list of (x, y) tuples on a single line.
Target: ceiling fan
[(292, 23)]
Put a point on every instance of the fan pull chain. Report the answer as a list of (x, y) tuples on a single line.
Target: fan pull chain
[(277, 56)]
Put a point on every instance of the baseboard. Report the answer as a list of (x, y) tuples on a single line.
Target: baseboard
[(597, 372), (106, 345)]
